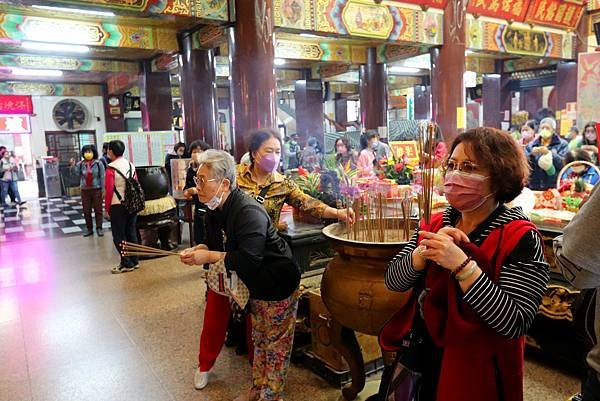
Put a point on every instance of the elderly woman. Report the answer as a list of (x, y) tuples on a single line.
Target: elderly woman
[(260, 180), (240, 235), (483, 268), (546, 153)]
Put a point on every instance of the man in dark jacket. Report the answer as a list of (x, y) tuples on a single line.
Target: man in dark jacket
[(240, 235)]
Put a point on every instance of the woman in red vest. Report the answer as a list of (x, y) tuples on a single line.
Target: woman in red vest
[(482, 270)]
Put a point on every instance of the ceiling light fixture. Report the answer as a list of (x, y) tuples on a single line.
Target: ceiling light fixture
[(76, 11), (403, 70), (55, 47), (279, 61), (310, 35), (36, 73)]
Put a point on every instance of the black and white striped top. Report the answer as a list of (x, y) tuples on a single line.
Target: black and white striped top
[(508, 307)]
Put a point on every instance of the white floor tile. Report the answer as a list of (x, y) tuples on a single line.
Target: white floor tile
[(35, 234), (71, 230)]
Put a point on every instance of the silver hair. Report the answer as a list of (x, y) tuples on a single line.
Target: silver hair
[(550, 121), (220, 164)]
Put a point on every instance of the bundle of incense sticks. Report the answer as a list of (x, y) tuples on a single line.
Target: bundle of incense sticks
[(426, 145), (378, 219), (133, 249)]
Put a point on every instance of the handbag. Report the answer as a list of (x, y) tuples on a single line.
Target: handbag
[(227, 283), (401, 381)]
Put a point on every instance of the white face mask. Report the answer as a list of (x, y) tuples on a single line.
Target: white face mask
[(215, 201)]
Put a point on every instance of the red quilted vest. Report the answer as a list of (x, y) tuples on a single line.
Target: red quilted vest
[(478, 363)]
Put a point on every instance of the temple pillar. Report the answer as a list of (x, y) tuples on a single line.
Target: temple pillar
[(531, 100), (115, 121), (422, 102), (496, 99), (155, 99), (373, 92), (253, 84), (447, 72), (199, 94), (341, 110), (566, 84), (308, 96)]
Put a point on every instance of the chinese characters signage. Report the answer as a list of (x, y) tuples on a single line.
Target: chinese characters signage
[(12, 104), (495, 37), (15, 124), (524, 41), (555, 13), (62, 31), (368, 19), (504, 9), (389, 20), (408, 148)]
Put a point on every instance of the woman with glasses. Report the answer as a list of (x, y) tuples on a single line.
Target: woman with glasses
[(484, 270), (241, 237), (261, 180)]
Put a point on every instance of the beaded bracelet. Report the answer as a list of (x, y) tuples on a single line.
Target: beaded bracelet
[(462, 266), (468, 273)]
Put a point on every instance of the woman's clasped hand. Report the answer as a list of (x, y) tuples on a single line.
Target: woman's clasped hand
[(442, 247), (197, 255)]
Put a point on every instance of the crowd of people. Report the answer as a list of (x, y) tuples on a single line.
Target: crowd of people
[(236, 213), (548, 152), (9, 176), (477, 270)]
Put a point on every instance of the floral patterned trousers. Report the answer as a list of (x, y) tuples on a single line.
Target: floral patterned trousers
[(273, 324)]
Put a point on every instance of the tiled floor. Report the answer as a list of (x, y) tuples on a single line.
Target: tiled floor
[(71, 331), (43, 218)]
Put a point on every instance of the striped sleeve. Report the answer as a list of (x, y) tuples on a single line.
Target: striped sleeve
[(510, 306), (400, 275)]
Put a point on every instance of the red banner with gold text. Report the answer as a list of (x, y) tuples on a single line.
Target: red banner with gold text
[(15, 104), (558, 13), (515, 10)]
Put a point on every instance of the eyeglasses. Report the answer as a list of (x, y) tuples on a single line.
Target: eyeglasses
[(465, 167), (201, 181)]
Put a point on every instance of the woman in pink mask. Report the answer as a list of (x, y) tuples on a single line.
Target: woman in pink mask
[(262, 180), (483, 266), (528, 132)]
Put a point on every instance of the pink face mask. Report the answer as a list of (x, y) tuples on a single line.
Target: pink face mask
[(269, 162), (464, 191)]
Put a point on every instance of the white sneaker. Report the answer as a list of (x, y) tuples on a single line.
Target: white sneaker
[(200, 379)]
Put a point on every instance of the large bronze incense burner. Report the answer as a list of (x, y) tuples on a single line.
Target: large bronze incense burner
[(353, 289), (353, 286)]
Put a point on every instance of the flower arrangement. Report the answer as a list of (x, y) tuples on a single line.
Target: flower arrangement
[(398, 170), (309, 182)]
